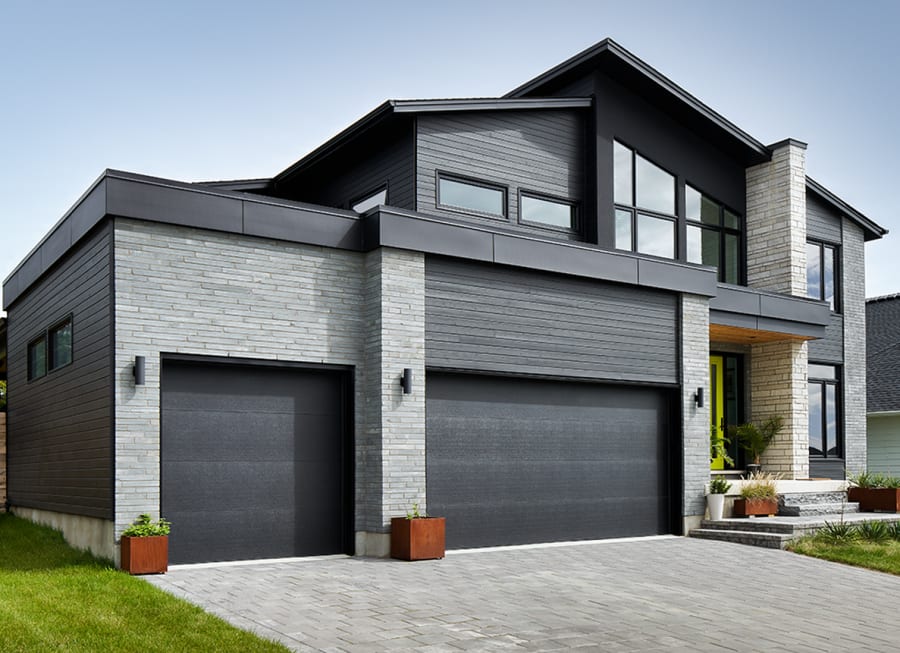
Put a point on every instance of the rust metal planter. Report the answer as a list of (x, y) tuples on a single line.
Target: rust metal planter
[(421, 538), (145, 555), (871, 499), (748, 507)]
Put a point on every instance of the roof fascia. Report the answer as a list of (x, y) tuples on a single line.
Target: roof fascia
[(872, 230), (488, 104)]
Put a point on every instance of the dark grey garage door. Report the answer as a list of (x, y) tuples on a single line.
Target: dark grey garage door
[(514, 461), (254, 461)]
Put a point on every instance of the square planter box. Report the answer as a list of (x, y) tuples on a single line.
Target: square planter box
[(748, 507), (871, 499), (145, 555), (417, 539)]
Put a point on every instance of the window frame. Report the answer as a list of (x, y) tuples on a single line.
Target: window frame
[(50, 353), (822, 245), (553, 199), (40, 339), (634, 210), (369, 195), (722, 230), (469, 181), (823, 382)]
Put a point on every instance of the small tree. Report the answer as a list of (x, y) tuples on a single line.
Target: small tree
[(755, 439)]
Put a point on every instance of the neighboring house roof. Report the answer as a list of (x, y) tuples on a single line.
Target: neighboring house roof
[(883, 354), (871, 230)]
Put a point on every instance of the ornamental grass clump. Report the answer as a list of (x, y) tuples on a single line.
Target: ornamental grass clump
[(144, 526), (760, 486), (874, 481)]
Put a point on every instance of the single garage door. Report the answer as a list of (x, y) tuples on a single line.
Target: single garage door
[(515, 461), (254, 461)]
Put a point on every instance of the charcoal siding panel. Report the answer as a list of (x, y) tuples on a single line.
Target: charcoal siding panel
[(498, 319), (822, 223), (537, 151), (59, 444), (829, 349)]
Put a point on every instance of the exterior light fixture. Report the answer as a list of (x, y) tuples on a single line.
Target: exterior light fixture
[(698, 397), (138, 370), (406, 381)]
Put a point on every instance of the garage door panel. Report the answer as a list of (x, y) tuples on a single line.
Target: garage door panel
[(261, 463), (516, 461)]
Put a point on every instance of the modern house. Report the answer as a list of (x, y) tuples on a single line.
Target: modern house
[(524, 313), (883, 385)]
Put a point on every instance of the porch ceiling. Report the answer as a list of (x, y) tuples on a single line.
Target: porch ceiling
[(743, 336)]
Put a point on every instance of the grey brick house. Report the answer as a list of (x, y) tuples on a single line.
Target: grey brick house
[(883, 386), (581, 277)]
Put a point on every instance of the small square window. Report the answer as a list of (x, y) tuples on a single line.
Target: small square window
[(60, 344), (37, 358)]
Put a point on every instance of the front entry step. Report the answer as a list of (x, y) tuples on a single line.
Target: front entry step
[(815, 503), (759, 538)]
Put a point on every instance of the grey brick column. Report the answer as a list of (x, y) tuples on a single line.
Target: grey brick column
[(853, 277), (695, 374)]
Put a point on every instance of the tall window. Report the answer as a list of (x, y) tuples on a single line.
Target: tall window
[(644, 195), (821, 276), (60, 344), (824, 427), (37, 358), (713, 235)]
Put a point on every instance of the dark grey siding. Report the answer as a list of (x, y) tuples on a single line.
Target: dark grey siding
[(829, 349), (822, 223), (356, 170), (537, 151), (60, 426), (499, 319)]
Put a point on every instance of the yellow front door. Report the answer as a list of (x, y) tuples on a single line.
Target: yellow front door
[(716, 405)]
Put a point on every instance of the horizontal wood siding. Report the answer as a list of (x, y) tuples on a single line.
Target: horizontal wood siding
[(822, 223), (829, 349), (497, 319), (537, 151), (60, 426)]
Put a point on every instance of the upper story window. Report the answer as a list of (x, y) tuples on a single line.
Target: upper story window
[(474, 196), (821, 275), (824, 427), (370, 200), (546, 212), (713, 235), (37, 358), (644, 195), (59, 341)]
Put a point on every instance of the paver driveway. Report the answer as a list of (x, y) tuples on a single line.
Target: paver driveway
[(660, 594)]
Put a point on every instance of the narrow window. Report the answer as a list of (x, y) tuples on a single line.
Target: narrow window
[(371, 200), (644, 195), (472, 196), (37, 358), (713, 235), (547, 212), (824, 427), (821, 273), (60, 344)]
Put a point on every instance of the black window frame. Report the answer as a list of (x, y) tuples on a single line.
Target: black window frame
[(369, 195), (836, 383), (546, 197), (634, 210), (41, 340), (470, 181), (45, 340), (836, 251), (51, 356), (722, 230)]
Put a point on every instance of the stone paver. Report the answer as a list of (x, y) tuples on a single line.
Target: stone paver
[(660, 594)]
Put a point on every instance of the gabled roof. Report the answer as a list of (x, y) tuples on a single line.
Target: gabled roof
[(883, 354), (384, 112), (620, 64), (871, 230)]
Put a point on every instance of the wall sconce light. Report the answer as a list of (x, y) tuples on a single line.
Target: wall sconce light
[(698, 397), (138, 370), (406, 381)]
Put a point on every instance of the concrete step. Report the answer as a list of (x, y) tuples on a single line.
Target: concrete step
[(808, 509), (761, 539), (748, 525), (808, 498)]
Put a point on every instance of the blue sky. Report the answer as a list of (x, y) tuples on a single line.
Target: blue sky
[(221, 90)]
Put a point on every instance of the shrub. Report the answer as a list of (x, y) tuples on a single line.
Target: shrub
[(837, 533), (895, 530), (873, 531), (143, 526), (719, 485)]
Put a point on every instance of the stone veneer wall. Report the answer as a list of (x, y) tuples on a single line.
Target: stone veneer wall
[(2, 462), (776, 221), (695, 374), (778, 386), (853, 296)]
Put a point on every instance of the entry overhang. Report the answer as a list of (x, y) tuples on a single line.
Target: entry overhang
[(748, 316)]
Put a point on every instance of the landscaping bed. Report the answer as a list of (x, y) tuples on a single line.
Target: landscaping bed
[(873, 545)]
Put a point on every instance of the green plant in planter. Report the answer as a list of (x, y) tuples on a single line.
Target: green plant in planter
[(874, 481), (760, 485), (143, 526), (717, 446), (756, 438), (719, 485), (414, 513)]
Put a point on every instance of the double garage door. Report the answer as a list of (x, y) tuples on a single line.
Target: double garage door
[(255, 461), (514, 461)]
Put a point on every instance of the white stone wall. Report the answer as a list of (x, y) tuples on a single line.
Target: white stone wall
[(853, 287), (695, 374), (776, 221), (778, 386), (188, 291)]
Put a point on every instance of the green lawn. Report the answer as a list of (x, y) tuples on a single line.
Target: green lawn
[(54, 598), (880, 556)]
